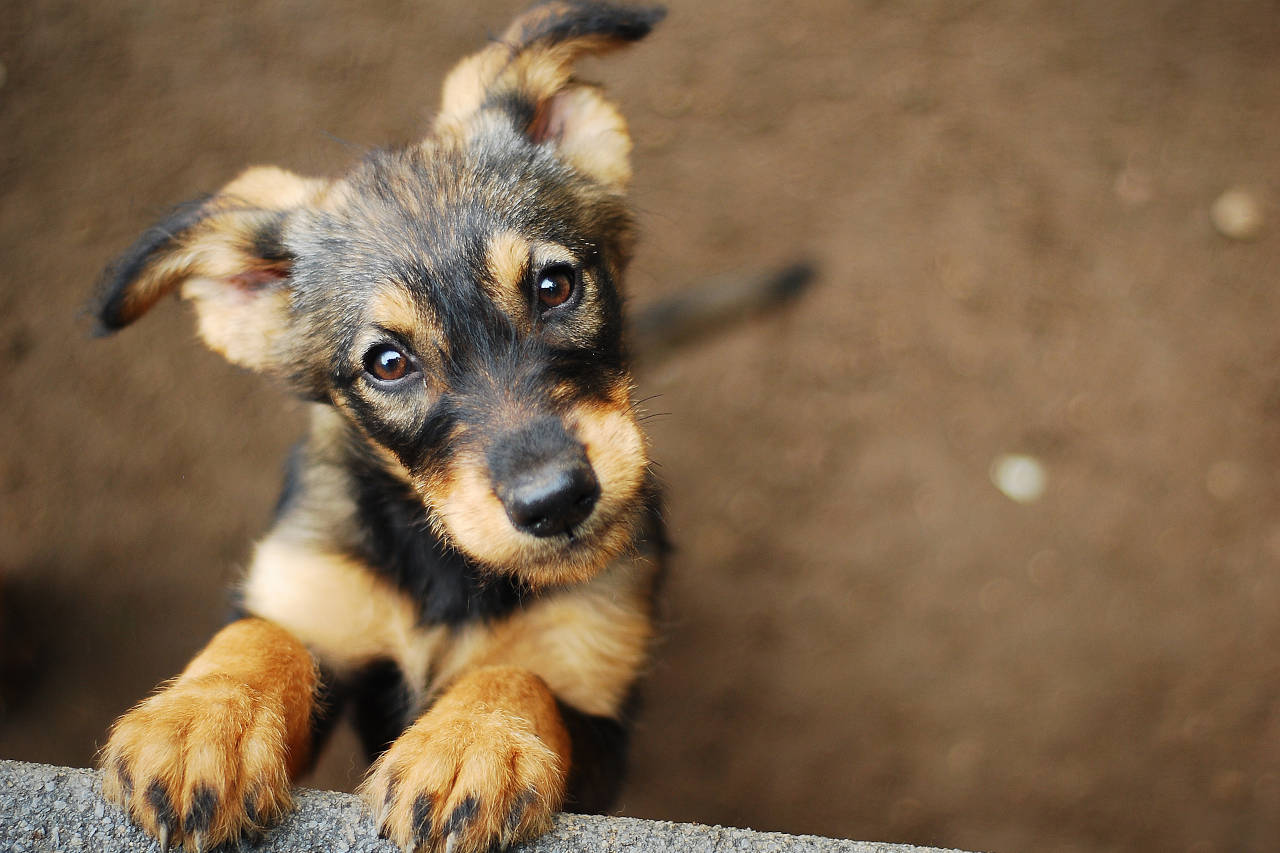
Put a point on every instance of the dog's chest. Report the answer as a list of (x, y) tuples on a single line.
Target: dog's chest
[(348, 615)]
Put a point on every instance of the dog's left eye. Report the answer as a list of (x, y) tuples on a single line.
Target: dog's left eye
[(386, 363), (556, 286)]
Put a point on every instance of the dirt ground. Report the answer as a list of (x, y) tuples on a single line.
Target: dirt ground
[(1009, 203)]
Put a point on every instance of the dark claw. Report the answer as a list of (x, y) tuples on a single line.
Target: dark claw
[(158, 798)]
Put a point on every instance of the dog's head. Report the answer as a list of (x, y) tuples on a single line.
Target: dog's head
[(457, 300)]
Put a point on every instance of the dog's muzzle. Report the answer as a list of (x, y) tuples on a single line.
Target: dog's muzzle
[(543, 478)]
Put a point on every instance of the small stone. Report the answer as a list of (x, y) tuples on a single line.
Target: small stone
[(1020, 478), (1237, 214)]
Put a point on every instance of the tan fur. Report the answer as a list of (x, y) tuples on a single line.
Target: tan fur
[(496, 740), (339, 608), (615, 447), (588, 643), (272, 188), (393, 307), (243, 324), (213, 248), (508, 258), (234, 726), (475, 518), (591, 134)]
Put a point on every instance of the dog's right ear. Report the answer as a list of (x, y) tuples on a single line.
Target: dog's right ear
[(226, 254)]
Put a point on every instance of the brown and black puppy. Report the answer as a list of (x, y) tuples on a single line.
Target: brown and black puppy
[(465, 552)]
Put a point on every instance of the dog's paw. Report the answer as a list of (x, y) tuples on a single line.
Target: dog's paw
[(464, 782), (202, 762)]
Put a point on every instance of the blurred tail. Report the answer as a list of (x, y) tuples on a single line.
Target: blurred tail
[(701, 311)]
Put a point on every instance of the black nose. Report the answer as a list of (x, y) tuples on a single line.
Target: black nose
[(552, 498), (543, 478)]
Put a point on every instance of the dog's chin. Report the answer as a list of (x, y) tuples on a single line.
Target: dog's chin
[(540, 561)]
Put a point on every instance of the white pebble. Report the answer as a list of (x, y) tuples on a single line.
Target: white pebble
[(1020, 478), (1237, 214)]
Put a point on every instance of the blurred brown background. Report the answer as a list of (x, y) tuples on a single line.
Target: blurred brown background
[(1010, 203)]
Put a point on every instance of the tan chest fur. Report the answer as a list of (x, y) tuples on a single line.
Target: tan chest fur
[(588, 642)]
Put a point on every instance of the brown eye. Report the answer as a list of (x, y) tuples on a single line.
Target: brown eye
[(387, 363), (555, 286)]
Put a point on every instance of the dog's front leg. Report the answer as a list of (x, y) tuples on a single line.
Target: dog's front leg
[(484, 767), (209, 757)]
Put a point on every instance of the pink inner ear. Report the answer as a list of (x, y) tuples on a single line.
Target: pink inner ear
[(257, 279), (587, 132), (550, 119)]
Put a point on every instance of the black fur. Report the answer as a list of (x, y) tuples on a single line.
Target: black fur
[(398, 542), (291, 487), (599, 763), (114, 284), (629, 23), (331, 697), (379, 699), (382, 706), (268, 242)]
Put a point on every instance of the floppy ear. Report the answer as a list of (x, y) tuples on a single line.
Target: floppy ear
[(225, 254), (527, 74)]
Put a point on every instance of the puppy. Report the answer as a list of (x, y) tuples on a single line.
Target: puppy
[(465, 552)]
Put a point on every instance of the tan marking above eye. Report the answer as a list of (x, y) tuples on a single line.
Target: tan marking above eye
[(508, 258), (393, 307), (511, 258), (394, 312)]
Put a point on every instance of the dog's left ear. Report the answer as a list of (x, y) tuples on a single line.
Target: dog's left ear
[(225, 253), (526, 76)]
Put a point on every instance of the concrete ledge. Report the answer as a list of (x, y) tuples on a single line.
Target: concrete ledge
[(45, 808)]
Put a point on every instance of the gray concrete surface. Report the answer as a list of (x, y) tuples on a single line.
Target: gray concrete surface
[(45, 808)]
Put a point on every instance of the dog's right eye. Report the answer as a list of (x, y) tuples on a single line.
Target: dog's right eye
[(386, 363)]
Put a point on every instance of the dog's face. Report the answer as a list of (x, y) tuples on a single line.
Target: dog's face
[(456, 300)]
